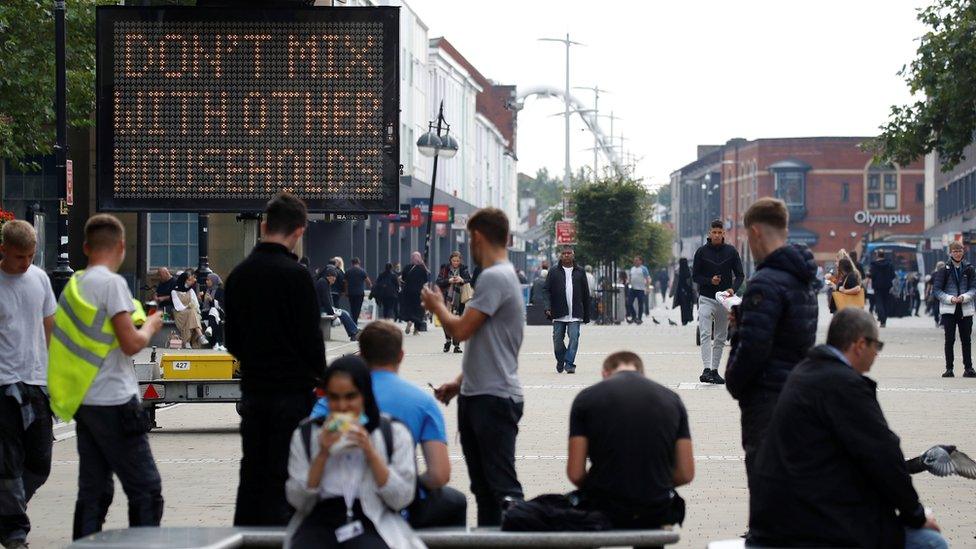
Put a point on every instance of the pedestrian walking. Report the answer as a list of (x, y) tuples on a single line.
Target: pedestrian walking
[(717, 268), (931, 302), (357, 281), (566, 299), (273, 331), (663, 283), (882, 275), (683, 292), (27, 307), (91, 379), (491, 402), (385, 291), (414, 278), (640, 281), (955, 288), (452, 279), (775, 325)]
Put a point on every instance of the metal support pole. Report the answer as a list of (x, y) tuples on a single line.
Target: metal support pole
[(203, 245), (433, 185), (568, 168), (63, 272)]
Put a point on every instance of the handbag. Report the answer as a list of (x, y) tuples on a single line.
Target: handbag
[(467, 292), (842, 301)]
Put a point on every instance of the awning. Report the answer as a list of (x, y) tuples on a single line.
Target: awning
[(800, 235)]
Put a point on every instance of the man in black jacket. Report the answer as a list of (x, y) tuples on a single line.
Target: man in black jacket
[(831, 473), (777, 321), (566, 298), (882, 275), (273, 330), (716, 269)]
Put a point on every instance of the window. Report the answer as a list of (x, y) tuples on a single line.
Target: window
[(882, 187), (920, 192), (790, 188), (172, 240), (845, 192)]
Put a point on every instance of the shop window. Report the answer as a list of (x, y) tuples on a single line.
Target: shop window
[(173, 240), (845, 192)]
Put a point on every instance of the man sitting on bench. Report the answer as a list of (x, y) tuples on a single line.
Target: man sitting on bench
[(381, 346), (323, 289), (635, 433)]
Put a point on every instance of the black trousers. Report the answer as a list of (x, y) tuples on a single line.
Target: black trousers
[(355, 306), (438, 508), (882, 302), (458, 312), (389, 307), (757, 413), (25, 457), (267, 423), (965, 326), (318, 528), (488, 426), (112, 439)]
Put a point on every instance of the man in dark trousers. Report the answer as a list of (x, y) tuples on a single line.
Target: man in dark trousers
[(273, 330), (882, 275), (566, 298), (356, 283), (831, 473), (716, 268), (776, 323)]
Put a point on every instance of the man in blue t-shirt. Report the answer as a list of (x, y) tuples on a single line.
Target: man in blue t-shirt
[(381, 346)]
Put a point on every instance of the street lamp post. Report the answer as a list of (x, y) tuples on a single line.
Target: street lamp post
[(435, 145), (63, 272), (568, 43)]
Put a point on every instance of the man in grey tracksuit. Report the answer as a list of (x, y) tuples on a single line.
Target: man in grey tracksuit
[(717, 268), (954, 287)]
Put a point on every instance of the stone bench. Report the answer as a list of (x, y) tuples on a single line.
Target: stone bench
[(230, 538)]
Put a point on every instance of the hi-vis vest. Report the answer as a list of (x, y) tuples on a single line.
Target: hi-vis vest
[(83, 336)]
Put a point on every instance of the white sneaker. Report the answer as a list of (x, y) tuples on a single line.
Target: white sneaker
[(203, 340)]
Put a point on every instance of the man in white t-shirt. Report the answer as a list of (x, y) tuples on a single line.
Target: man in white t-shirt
[(111, 425), (26, 318), (566, 298)]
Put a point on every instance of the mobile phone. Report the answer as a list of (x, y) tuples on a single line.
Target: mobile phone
[(429, 384)]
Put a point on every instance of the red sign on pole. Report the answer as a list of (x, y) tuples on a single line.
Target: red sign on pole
[(442, 213), (415, 217), (70, 183), (565, 232)]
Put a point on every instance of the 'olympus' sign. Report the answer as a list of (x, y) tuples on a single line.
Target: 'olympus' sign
[(865, 217)]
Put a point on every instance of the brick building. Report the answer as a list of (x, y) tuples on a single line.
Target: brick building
[(836, 195)]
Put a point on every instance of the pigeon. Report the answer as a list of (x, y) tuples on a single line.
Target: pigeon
[(943, 460), (654, 320), (672, 323)]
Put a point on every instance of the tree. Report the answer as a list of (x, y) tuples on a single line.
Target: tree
[(662, 196), (547, 190), (610, 213), (653, 242), (944, 72), (27, 76)]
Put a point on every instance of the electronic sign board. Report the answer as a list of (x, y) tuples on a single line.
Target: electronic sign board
[(219, 109)]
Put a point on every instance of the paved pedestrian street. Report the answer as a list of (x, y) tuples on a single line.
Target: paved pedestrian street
[(197, 446)]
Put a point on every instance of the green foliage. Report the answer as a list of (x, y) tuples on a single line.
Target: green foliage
[(27, 82), (944, 73), (609, 215), (662, 196), (547, 190), (653, 242)]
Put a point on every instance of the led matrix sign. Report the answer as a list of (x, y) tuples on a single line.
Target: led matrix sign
[(210, 109)]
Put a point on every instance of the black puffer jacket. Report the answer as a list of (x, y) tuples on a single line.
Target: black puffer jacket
[(778, 322)]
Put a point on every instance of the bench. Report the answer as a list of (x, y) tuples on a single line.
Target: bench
[(230, 538)]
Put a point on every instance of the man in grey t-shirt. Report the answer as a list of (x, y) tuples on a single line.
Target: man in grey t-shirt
[(490, 403), (26, 319)]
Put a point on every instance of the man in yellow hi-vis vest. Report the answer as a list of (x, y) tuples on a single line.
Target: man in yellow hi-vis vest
[(90, 377)]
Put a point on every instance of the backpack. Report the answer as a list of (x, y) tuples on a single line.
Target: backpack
[(553, 513)]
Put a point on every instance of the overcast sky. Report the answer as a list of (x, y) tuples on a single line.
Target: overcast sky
[(684, 73)]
